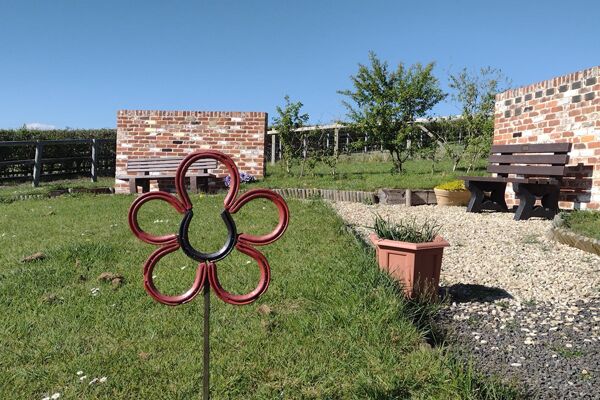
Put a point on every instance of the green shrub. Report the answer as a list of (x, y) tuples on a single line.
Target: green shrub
[(406, 231), (8, 135), (452, 186)]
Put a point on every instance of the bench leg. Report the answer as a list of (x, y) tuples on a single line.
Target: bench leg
[(526, 202), (479, 201), (497, 197), (194, 184), (476, 200), (132, 186), (528, 194), (550, 202)]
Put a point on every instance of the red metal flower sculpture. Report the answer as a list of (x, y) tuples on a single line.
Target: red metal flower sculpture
[(207, 267)]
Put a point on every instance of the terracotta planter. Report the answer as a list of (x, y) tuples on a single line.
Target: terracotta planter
[(452, 197), (416, 265)]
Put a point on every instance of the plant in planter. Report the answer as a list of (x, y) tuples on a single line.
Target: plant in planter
[(410, 252), (452, 193)]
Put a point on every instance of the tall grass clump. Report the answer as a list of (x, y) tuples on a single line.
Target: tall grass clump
[(408, 230)]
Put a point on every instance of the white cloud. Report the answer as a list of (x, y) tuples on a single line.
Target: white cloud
[(39, 126)]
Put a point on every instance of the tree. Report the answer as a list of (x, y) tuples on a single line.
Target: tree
[(476, 93), (447, 133), (385, 104), (288, 120)]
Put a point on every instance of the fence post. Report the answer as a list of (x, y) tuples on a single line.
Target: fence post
[(273, 149), (366, 140), (280, 149), (408, 197), (37, 163), (336, 141), (94, 160), (304, 147)]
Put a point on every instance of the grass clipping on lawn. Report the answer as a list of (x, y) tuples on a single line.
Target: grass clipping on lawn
[(330, 325)]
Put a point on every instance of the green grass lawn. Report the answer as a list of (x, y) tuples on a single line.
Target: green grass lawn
[(11, 190), (586, 223), (335, 327), (359, 172)]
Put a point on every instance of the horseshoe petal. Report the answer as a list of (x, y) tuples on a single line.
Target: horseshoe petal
[(284, 216), (263, 283), (162, 298), (133, 217), (194, 254), (213, 155)]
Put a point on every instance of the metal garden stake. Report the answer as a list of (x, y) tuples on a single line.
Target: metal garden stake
[(206, 273)]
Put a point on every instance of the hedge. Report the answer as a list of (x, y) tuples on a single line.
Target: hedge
[(55, 134), (79, 167)]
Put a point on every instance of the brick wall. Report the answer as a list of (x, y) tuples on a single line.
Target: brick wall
[(152, 134), (562, 109)]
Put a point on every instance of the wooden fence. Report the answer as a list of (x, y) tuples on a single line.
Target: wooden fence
[(83, 158), (331, 139)]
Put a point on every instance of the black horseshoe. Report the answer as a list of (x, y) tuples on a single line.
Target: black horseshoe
[(189, 250)]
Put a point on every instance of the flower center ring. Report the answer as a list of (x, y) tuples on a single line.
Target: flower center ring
[(191, 252)]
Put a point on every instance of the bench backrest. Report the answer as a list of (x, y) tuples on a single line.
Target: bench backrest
[(146, 165), (530, 160)]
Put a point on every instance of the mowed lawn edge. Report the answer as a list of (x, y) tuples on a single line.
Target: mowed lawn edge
[(330, 326)]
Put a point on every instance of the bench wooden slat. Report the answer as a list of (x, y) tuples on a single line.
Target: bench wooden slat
[(144, 160), (159, 166), (169, 162), (532, 148), (541, 181), (209, 163), (166, 164), (528, 170), (162, 169), (165, 176), (556, 159)]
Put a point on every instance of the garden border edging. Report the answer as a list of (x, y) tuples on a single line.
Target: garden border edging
[(565, 236), (409, 197)]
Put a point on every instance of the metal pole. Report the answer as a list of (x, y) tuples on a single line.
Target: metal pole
[(206, 369)]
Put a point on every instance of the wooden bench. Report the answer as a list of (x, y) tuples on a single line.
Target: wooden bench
[(149, 169), (535, 171)]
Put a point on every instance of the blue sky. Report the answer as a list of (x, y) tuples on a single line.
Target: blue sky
[(75, 63)]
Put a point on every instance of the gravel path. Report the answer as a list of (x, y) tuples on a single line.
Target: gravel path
[(523, 307), (496, 252)]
